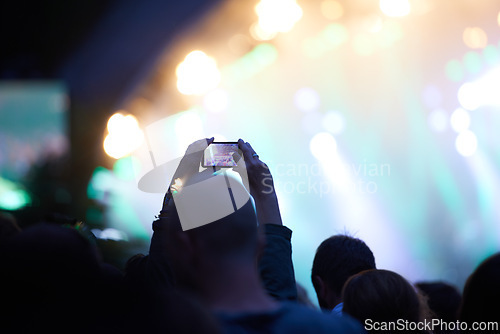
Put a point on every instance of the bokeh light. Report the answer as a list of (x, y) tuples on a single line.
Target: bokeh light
[(472, 62), (395, 8), (259, 34), (475, 37), (124, 136), (332, 9), (460, 120), (307, 99), (277, 15), (481, 92), (323, 146), (197, 74), (432, 96), (334, 122), (438, 120), (12, 196), (466, 143)]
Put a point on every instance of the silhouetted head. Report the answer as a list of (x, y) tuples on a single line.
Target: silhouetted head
[(50, 271), (443, 299), (228, 236), (481, 295), (380, 295), (338, 258)]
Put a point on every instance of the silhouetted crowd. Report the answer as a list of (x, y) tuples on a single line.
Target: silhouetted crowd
[(220, 261)]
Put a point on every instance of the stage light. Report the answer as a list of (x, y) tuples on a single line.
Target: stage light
[(197, 74), (475, 37), (322, 146), (188, 128), (277, 15), (124, 136), (395, 8), (14, 199), (259, 34), (466, 143), (334, 122), (468, 96), (307, 99), (216, 101), (332, 9), (481, 92), (460, 120), (438, 120)]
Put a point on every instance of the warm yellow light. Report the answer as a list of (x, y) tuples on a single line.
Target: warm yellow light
[(124, 136), (475, 37), (332, 9), (197, 74), (395, 7), (277, 15), (498, 18)]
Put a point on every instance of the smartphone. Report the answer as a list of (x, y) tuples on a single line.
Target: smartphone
[(220, 154)]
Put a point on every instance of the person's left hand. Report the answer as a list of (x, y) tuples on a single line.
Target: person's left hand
[(188, 166)]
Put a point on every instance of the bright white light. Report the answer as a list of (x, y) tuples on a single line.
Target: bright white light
[(466, 143), (197, 74), (395, 7), (438, 120), (323, 146), (278, 15), (216, 101), (460, 120), (469, 96), (124, 136), (481, 92), (334, 122), (188, 128), (307, 99), (260, 34)]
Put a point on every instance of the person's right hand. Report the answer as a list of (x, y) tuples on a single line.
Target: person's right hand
[(260, 181)]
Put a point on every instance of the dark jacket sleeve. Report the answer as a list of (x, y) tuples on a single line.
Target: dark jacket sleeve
[(275, 264), (158, 270)]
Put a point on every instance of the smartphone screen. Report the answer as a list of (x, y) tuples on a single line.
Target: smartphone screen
[(220, 154)]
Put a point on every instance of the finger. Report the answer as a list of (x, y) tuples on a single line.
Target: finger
[(199, 145), (246, 149), (251, 148)]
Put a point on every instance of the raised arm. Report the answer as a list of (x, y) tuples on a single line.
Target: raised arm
[(275, 264), (158, 270)]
